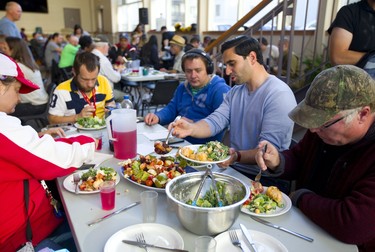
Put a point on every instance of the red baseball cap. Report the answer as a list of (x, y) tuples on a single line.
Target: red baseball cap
[(8, 67)]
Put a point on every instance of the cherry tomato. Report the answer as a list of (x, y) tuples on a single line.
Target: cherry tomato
[(149, 182)]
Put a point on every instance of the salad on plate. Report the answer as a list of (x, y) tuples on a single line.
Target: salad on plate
[(211, 152), (91, 123), (92, 179)]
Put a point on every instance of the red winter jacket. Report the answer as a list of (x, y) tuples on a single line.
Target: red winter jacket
[(24, 155)]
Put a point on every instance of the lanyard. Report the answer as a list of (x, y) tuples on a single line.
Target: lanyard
[(86, 98)]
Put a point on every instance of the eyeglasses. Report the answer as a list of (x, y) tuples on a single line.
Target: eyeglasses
[(325, 126)]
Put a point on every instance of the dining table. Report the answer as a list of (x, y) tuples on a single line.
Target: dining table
[(81, 209)]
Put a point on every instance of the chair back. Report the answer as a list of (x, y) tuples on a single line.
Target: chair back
[(39, 121), (163, 92)]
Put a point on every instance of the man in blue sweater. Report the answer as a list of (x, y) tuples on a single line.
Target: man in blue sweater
[(197, 97)]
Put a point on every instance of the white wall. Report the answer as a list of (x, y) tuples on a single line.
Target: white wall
[(53, 21)]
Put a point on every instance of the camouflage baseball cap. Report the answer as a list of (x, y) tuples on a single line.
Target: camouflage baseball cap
[(333, 90)]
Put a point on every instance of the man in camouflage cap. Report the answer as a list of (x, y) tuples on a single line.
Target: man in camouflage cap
[(336, 89), (334, 164)]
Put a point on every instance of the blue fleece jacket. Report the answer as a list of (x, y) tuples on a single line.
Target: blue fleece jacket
[(195, 107)]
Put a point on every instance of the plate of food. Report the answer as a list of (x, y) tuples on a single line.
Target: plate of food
[(212, 152), (263, 242), (91, 179), (90, 123), (266, 202), (156, 234), (151, 172)]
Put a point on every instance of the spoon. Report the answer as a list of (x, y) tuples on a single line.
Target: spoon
[(170, 131)]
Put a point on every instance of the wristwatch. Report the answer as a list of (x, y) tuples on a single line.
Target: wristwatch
[(238, 156)]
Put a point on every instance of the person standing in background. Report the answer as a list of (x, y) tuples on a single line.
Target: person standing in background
[(352, 36), (13, 12)]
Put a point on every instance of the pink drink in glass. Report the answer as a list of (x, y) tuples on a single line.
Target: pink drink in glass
[(107, 195), (100, 143), (125, 144)]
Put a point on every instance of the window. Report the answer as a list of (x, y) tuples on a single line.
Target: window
[(127, 15), (170, 12)]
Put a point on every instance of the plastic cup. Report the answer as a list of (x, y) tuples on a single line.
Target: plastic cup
[(107, 194), (145, 71), (98, 135), (149, 200), (205, 244)]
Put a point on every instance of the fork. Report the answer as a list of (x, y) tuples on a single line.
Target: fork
[(259, 175), (234, 239), (140, 238), (76, 179)]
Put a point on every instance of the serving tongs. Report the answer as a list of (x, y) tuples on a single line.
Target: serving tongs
[(208, 173)]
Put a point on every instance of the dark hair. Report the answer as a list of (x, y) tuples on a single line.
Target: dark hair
[(86, 42), (77, 27), (50, 37), (21, 52), (194, 39), (195, 54), (263, 41), (90, 60), (243, 45)]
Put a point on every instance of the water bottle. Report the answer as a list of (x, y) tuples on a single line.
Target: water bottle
[(127, 103)]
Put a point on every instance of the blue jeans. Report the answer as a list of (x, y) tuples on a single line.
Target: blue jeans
[(59, 239)]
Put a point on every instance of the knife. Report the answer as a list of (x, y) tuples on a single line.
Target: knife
[(248, 237), (114, 213), (142, 245), (282, 229)]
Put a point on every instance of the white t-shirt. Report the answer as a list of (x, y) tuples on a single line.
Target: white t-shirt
[(39, 96)]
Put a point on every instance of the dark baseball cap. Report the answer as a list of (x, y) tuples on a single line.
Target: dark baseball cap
[(335, 89)]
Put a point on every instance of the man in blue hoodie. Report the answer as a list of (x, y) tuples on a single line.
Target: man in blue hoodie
[(197, 97)]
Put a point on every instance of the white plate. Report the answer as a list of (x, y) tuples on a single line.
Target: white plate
[(78, 126), (277, 212), (154, 233), (69, 184), (195, 147), (263, 242)]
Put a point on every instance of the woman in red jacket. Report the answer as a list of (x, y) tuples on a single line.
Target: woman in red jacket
[(27, 155)]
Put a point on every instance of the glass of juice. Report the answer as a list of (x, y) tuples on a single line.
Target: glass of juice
[(107, 194)]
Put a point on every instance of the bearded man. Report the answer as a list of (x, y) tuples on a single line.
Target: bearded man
[(85, 95)]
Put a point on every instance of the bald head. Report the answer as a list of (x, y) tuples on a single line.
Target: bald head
[(73, 40), (13, 11)]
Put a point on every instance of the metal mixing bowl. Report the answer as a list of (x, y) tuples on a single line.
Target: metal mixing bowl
[(203, 220)]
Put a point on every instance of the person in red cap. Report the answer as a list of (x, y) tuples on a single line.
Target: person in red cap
[(41, 160)]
